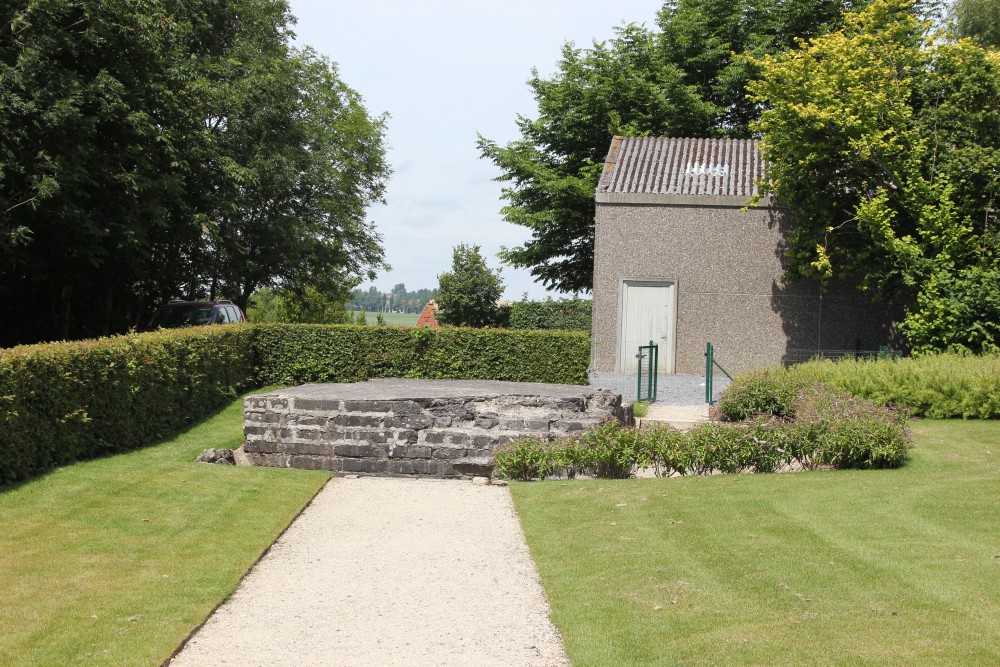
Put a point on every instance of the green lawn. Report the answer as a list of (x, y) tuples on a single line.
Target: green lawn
[(391, 319), (115, 561), (892, 567)]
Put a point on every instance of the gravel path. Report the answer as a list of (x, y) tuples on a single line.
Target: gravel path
[(671, 389), (381, 571)]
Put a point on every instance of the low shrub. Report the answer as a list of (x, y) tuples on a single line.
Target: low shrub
[(830, 429), (938, 386), (836, 429), (768, 392), (611, 450), (526, 459)]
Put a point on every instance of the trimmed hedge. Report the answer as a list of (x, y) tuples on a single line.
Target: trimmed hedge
[(62, 402), (294, 354), (570, 315)]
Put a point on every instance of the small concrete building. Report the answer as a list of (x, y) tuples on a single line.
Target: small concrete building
[(681, 260)]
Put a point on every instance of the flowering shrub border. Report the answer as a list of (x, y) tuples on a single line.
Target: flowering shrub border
[(829, 429)]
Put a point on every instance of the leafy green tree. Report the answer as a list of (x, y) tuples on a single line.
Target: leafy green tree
[(687, 79), (884, 143), (550, 173), (308, 307), (978, 19), (165, 148), (468, 294)]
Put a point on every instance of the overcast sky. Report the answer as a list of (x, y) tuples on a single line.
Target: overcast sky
[(445, 70)]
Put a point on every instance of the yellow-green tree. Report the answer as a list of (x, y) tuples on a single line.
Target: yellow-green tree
[(883, 140)]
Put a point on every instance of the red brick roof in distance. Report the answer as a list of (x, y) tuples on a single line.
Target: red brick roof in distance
[(427, 319)]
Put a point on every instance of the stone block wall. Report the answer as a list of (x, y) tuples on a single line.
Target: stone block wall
[(413, 427)]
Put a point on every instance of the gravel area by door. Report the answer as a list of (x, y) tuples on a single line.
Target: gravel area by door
[(382, 571)]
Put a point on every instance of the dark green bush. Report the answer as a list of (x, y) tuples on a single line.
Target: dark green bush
[(611, 450), (566, 315), (770, 392), (293, 354), (525, 459), (836, 429), (62, 402)]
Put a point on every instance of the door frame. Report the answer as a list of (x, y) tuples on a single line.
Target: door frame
[(671, 322)]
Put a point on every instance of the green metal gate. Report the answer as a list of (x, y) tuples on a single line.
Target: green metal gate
[(653, 354), (710, 365)]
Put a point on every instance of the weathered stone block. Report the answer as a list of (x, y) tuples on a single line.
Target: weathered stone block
[(308, 434), (414, 422), (307, 420), (317, 404), (487, 421), (363, 435), (568, 426), (481, 441), (306, 462), (365, 465), (399, 408), (449, 453), (367, 421), (309, 449), (417, 452), (457, 437), (443, 420), (434, 437), (408, 437), (367, 406), (474, 466), (359, 450)]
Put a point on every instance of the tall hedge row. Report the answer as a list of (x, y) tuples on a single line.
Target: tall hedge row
[(572, 315), (293, 354), (62, 402)]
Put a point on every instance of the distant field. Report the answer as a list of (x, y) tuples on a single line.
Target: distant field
[(394, 319)]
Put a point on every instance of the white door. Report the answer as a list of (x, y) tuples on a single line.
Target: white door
[(648, 313)]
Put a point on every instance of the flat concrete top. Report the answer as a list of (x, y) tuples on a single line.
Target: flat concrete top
[(404, 388)]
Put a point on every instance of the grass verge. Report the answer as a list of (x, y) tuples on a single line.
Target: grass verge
[(115, 561), (390, 319), (882, 567)]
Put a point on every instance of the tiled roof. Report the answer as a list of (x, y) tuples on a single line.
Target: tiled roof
[(684, 167)]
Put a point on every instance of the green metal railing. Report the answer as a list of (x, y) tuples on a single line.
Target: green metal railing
[(651, 371), (710, 365)]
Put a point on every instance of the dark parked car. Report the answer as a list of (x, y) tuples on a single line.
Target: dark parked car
[(175, 314)]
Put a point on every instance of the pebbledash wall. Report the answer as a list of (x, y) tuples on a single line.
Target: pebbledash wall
[(678, 259)]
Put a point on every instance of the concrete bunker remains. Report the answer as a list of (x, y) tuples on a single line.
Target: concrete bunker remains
[(402, 427)]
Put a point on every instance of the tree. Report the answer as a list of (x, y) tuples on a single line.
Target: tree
[(619, 87), (309, 307), (162, 149), (884, 143), (467, 295), (688, 79), (978, 19)]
